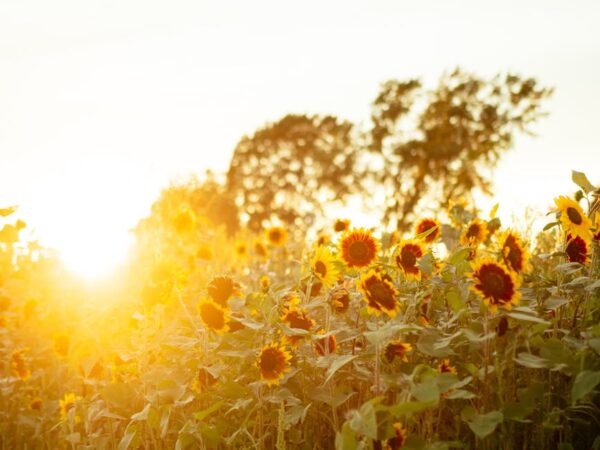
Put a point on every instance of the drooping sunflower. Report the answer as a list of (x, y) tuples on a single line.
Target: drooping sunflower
[(397, 349), (514, 253), (296, 318), (221, 288), (597, 226), (276, 236), (19, 364), (399, 439), (573, 219), (265, 283), (577, 249), (339, 299), (323, 267), (67, 403), (445, 367), (326, 345), (213, 316), (273, 362), (427, 224), (323, 239), (341, 225), (379, 293), (495, 284), (406, 257), (358, 247), (60, 344), (260, 249), (203, 380), (36, 404), (475, 233)]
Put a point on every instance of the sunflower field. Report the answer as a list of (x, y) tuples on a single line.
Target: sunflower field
[(461, 333)]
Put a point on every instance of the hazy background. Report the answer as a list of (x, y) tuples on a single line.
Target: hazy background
[(102, 103)]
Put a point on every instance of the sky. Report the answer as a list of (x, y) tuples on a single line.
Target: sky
[(103, 103)]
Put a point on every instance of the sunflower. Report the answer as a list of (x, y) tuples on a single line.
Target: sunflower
[(358, 247), (276, 236), (19, 365), (397, 349), (475, 234), (213, 316), (323, 239), (265, 283), (36, 404), (577, 249), (290, 299), (379, 293), (572, 217), (597, 228), (221, 288), (399, 439), (406, 257), (495, 284), (204, 252), (241, 249), (427, 224), (323, 267), (273, 361), (67, 403), (514, 254), (61, 345), (445, 367), (297, 318), (341, 225), (340, 299), (326, 345), (260, 249)]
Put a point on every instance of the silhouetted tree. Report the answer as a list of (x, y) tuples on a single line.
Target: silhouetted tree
[(291, 168), (440, 143)]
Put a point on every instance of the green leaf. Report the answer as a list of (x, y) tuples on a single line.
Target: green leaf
[(585, 382), (410, 407), (550, 225), (142, 415), (337, 365), (532, 361), (346, 439), (527, 317), (555, 302), (201, 415), (364, 421), (485, 424), (128, 438), (427, 391), (582, 181)]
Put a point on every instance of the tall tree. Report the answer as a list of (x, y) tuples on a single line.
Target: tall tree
[(444, 142), (290, 169)]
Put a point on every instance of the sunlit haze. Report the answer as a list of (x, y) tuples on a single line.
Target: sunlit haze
[(102, 103)]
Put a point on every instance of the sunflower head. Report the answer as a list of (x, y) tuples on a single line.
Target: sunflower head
[(213, 316), (341, 225), (323, 239), (358, 247), (298, 318), (379, 293), (399, 439), (221, 288), (260, 249), (340, 299), (572, 218), (241, 249), (577, 249), (276, 236), (397, 349), (597, 226), (475, 233), (495, 284), (427, 224), (67, 403), (323, 267), (36, 404), (19, 364), (445, 367), (406, 257), (202, 380), (514, 253), (273, 362)]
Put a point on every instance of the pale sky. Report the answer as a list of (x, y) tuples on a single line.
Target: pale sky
[(102, 103)]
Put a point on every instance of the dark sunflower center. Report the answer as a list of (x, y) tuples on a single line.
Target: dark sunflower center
[(275, 235), (212, 316), (321, 268), (473, 231), (270, 360), (358, 250), (494, 284), (409, 259), (576, 250), (381, 294), (574, 216)]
